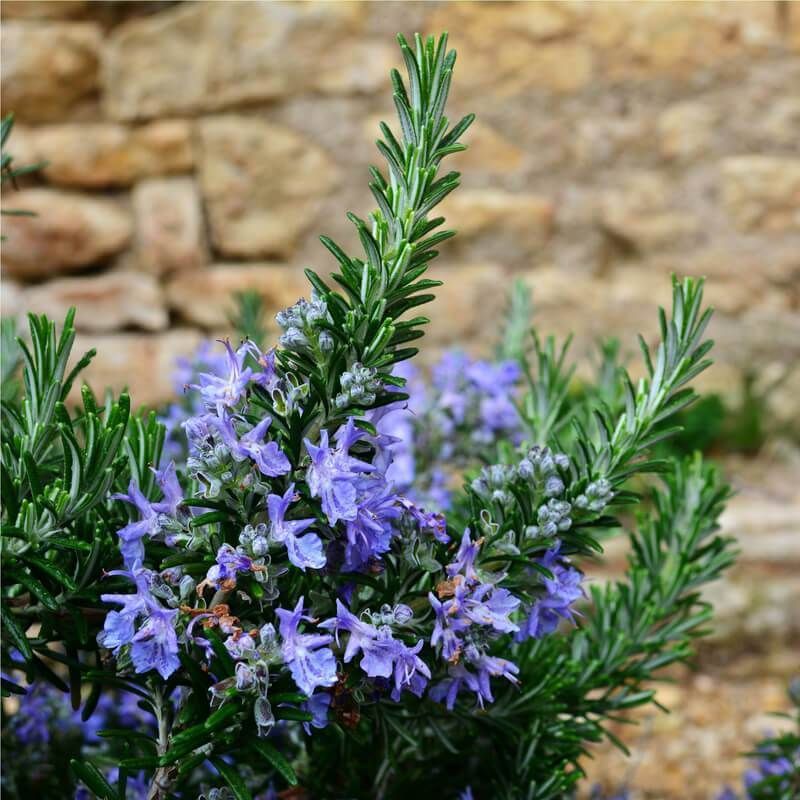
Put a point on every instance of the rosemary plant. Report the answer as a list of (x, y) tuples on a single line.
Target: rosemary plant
[(58, 523), (286, 608)]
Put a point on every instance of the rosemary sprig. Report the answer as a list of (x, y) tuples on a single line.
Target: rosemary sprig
[(399, 240)]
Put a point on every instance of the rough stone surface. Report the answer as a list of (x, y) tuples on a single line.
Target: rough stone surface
[(43, 9), (170, 230), (207, 56), (762, 192), (69, 231), (261, 184), (142, 363), (525, 219), (205, 297), (640, 212), (11, 299), (562, 47), (119, 299), (453, 314), (48, 69), (536, 46), (94, 156), (686, 130)]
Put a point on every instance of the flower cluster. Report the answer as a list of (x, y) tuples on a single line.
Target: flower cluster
[(471, 611), (362, 514), (477, 395), (143, 623), (382, 655), (450, 423), (303, 326), (355, 492)]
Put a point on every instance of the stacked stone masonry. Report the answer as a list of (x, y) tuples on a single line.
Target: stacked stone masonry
[(193, 149)]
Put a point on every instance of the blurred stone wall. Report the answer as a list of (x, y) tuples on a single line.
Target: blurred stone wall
[(198, 148)]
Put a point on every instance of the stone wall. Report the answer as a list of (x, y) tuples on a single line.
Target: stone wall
[(198, 148)]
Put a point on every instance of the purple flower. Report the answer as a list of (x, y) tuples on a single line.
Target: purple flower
[(347, 435), (205, 359), (460, 677), (152, 515), (199, 429), (410, 671), (363, 637), (119, 626), (310, 660), (468, 603), (494, 379), (201, 641), (303, 551), (464, 563), (267, 378), (482, 604), (561, 592), (478, 396), (428, 521), (448, 378), (224, 391), (230, 562), (155, 645), (771, 764), (437, 490), (382, 656), (397, 422), (448, 626), (447, 691), (167, 479), (498, 414), (332, 473), (493, 610), (130, 537), (370, 532), (317, 705), (268, 456), (496, 667), (241, 647)]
